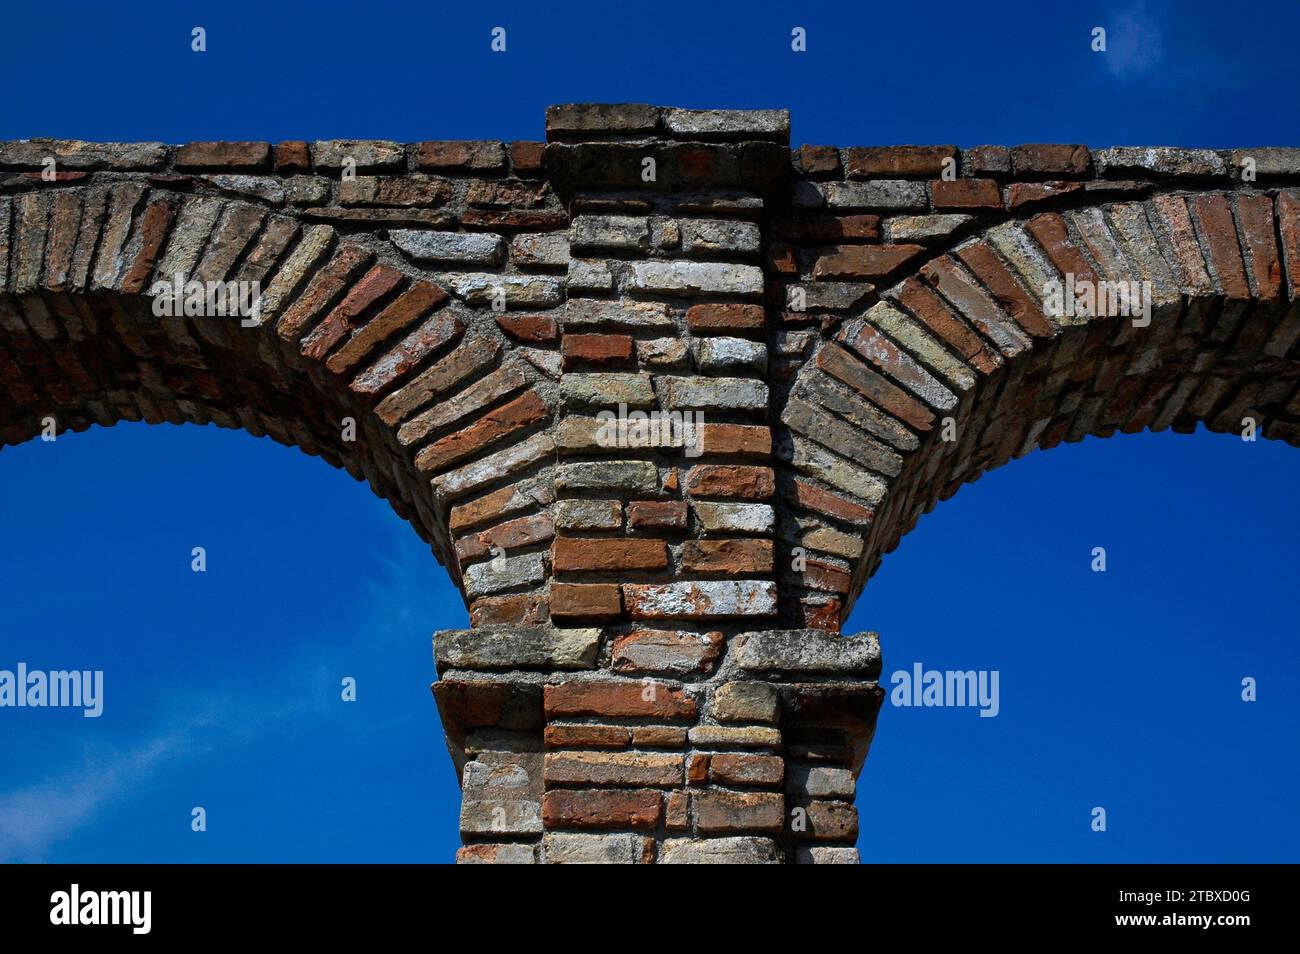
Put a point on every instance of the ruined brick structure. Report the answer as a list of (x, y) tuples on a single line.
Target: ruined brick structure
[(655, 670)]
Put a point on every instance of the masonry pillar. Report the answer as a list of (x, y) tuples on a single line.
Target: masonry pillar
[(664, 713)]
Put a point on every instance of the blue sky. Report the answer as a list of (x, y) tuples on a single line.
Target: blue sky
[(1119, 690)]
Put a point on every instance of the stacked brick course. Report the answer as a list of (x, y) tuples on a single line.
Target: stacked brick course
[(655, 671)]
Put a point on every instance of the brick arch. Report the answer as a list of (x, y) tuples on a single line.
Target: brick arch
[(349, 329), (969, 341), (651, 674)]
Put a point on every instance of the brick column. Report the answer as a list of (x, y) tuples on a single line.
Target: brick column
[(662, 716)]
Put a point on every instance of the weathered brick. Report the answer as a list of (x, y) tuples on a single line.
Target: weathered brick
[(666, 651), (613, 768), (1050, 159), (577, 554), (638, 809), (482, 155), (725, 318), (703, 599), (717, 810), (819, 160), (292, 156), (526, 157), (583, 735), (730, 480), (344, 317), (223, 155), (744, 770), (874, 162), (1219, 234), (973, 194), (409, 306), (732, 557), (864, 261), (656, 514), (605, 350), (585, 601), (521, 413)]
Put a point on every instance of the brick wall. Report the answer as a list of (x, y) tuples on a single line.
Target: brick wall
[(655, 670)]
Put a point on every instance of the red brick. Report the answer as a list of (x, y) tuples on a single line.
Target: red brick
[(515, 609), (657, 514), (479, 155), (660, 736), (819, 160), (730, 480), (1255, 213), (496, 425), (722, 318), (402, 358), (527, 156), (1021, 194), (638, 809), (585, 601), (538, 329), (863, 261), (154, 224), (495, 192), (292, 156), (1220, 235), (325, 284), (601, 350), (838, 363), (642, 697), (819, 575), (825, 502), (1177, 220), (986, 266), (697, 769), (973, 194), (1288, 226), (511, 535), (1050, 231), (1050, 159), (818, 614), (577, 554), (930, 309), (223, 155), (727, 556), (887, 162), (405, 310), (677, 816), (560, 735), (372, 286), (741, 440)]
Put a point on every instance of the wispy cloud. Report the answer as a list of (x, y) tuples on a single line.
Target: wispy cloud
[(37, 816), (1135, 39)]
